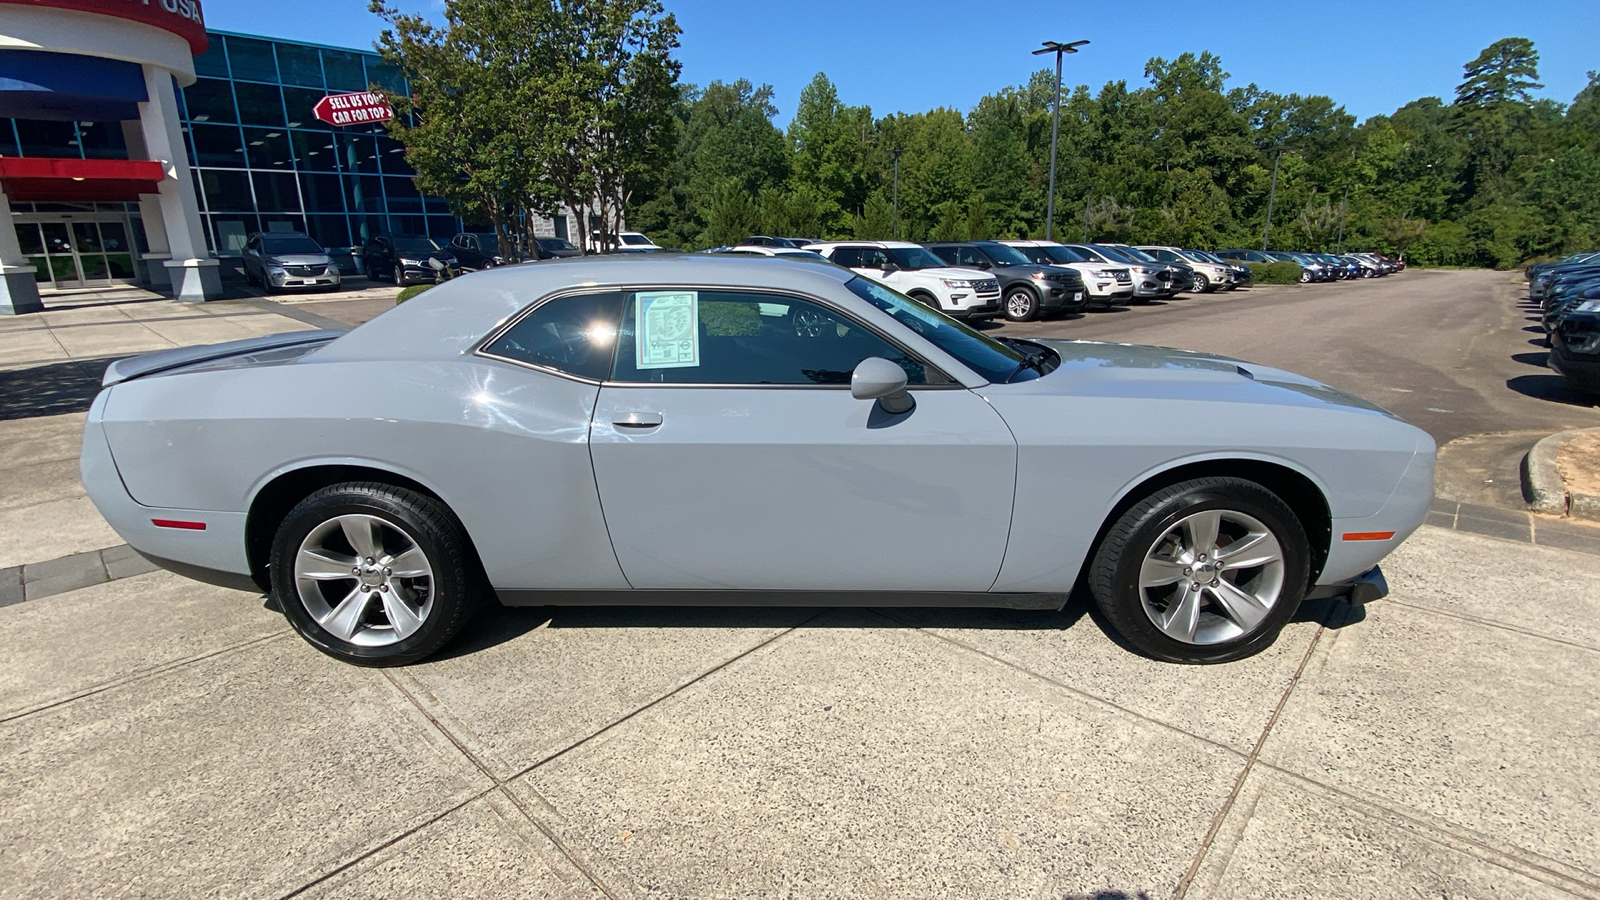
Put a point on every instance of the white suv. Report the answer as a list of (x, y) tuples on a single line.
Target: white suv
[(917, 273), (1208, 276), (1107, 285)]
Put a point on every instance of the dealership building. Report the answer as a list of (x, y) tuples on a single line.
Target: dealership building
[(138, 147)]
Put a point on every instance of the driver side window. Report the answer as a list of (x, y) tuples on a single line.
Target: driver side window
[(732, 338)]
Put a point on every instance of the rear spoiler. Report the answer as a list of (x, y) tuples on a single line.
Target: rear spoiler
[(162, 360)]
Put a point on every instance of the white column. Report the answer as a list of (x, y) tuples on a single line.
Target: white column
[(195, 275), (19, 291), (152, 262)]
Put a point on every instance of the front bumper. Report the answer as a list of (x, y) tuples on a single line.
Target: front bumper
[(1063, 297), (281, 278), (1358, 591), (1583, 374)]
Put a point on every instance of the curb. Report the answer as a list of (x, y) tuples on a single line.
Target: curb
[(1542, 486)]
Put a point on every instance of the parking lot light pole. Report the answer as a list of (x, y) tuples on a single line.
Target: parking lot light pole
[(897, 151), (1058, 49), (1266, 229)]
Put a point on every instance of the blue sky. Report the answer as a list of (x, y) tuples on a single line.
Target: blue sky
[(913, 55)]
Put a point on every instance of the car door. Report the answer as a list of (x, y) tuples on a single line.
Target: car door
[(730, 454)]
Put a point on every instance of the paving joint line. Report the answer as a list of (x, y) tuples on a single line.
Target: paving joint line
[(498, 784), (1466, 837), (667, 696), (404, 833), (1222, 814), (141, 676), (300, 315), (1078, 692), (1490, 623)]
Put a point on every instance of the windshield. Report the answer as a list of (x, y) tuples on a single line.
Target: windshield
[(989, 358), (635, 240), (915, 258), (1137, 254), (1061, 254), (414, 243), (291, 244), (1111, 254), (1004, 255)]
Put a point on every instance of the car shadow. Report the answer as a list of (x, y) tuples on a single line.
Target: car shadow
[(1553, 388), (1537, 360), (497, 624)]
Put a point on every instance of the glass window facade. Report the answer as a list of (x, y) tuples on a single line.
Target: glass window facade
[(262, 161)]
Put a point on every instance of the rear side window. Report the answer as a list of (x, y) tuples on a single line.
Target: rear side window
[(575, 334), (849, 257)]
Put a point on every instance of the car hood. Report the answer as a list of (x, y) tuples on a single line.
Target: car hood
[(300, 259), (1095, 369), (953, 272)]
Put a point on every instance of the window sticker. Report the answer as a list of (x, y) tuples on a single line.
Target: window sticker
[(669, 329)]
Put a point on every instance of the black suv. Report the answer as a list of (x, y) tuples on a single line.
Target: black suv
[(1027, 289), (406, 258), (478, 250)]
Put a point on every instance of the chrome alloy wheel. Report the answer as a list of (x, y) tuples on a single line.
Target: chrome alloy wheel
[(364, 580), (1018, 304), (1212, 577)]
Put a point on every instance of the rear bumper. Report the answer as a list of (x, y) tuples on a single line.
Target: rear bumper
[(214, 553)]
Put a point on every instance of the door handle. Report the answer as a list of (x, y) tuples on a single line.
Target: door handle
[(637, 420)]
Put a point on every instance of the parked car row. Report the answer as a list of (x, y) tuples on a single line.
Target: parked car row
[(1316, 267), (1568, 292)]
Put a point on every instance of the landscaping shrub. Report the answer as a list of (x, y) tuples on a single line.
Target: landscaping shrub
[(1275, 273), (410, 292)]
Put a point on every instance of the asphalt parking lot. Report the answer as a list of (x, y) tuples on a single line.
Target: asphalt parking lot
[(164, 738)]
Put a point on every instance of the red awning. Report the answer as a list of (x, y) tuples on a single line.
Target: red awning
[(41, 178)]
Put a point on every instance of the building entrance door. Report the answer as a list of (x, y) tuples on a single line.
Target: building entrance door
[(78, 249)]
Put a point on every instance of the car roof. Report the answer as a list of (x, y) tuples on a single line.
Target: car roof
[(899, 245), (448, 320)]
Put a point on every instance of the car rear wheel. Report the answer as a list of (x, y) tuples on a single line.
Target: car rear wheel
[(1021, 305), (1204, 571), (373, 574)]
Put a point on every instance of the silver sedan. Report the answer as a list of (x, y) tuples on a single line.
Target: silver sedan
[(702, 429)]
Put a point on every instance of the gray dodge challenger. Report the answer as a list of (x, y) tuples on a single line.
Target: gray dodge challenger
[(694, 430)]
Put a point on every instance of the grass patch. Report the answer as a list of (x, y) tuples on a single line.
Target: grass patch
[(408, 293)]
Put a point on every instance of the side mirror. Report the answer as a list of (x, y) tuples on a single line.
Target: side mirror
[(889, 267), (876, 378)]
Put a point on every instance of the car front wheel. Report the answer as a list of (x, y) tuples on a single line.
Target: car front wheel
[(1204, 571), (1022, 305), (373, 574), (399, 276)]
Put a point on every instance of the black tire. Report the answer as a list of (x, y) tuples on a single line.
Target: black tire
[(399, 276), (926, 299), (1305, 276), (458, 588), (1114, 574), (1028, 311), (1202, 284), (249, 277)]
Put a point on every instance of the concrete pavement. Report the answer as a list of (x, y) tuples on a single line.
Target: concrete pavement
[(1442, 744), (161, 737)]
